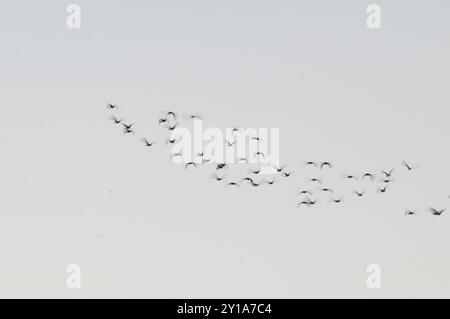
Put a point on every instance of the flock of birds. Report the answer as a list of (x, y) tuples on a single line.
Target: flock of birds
[(308, 196)]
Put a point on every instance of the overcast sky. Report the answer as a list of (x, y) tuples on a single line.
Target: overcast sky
[(75, 190)]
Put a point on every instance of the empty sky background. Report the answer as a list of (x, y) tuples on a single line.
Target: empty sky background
[(73, 189)]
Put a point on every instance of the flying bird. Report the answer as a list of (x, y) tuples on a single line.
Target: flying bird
[(382, 189), (371, 177), (328, 164), (190, 164), (111, 106), (147, 143), (310, 163), (259, 154), (410, 212), (221, 165), (359, 194), (437, 212), (269, 182), (247, 179), (217, 177), (279, 169), (305, 202), (232, 184), (171, 114), (349, 176), (256, 172), (388, 174), (172, 127), (230, 143), (127, 126), (205, 160), (115, 119), (165, 118), (337, 200), (171, 141), (408, 167)]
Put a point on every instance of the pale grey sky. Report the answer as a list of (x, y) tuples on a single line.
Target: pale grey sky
[(74, 190)]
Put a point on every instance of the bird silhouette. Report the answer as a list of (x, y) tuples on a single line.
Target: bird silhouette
[(388, 174), (255, 184), (369, 175), (349, 176), (327, 164), (382, 189), (111, 106), (310, 163), (205, 160), (172, 127), (190, 164), (230, 143), (259, 154), (247, 179), (147, 143), (169, 119), (337, 200), (269, 182), (217, 177), (232, 184), (359, 194), (305, 202), (166, 118), (221, 166), (410, 212), (127, 126), (256, 171), (115, 119), (437, 212), (408, 167), (279, 169), (171, 114), (171, 141)]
